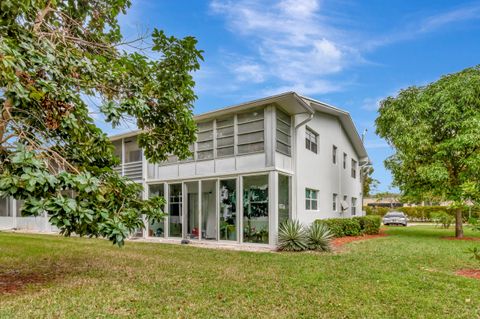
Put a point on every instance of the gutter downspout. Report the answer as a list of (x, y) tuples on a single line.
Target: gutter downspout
[(295, 164)]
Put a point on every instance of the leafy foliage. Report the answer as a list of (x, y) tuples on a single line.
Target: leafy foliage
[(319, 237), (368, 182), (475, 252), (292, 236), (442, 219), (355, 226), (435, 132), (53, 56)]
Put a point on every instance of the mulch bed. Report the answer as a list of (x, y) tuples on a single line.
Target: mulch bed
[(339, 242), (464, 238), (470, 273)]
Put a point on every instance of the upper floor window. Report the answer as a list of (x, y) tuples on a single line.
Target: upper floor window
[(205, 140), (334, 154), (311, 199), (284, 135), (334, 202), (225, 137), (344, 160), (354, 168), (354, 206), (311, 142), (250, 133)]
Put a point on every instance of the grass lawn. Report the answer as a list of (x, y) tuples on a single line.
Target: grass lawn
[(408, 274)]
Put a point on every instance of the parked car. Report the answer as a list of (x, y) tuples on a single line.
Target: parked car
[(395, 218)]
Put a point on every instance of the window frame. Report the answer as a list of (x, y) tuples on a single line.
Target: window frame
[(334, 202), (353, 171), (309, 135), (310, 199), (334, 154), (353, 206), (345, 156), (288, 134)]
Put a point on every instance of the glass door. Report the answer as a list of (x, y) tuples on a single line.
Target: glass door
[(255, 209), (175, 211), (209, 210), (191, 189), (228, 209)]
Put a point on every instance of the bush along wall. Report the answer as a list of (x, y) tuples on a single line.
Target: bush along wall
[(422, 213), (355, 226)]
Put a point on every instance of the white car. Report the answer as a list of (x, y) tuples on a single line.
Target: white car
[(395, 218)]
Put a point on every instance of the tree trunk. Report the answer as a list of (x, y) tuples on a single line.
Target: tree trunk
[(458, 223)]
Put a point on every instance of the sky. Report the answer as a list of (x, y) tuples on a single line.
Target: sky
[(350, 54)]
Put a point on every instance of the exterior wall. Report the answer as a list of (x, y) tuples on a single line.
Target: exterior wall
[(317, 171)]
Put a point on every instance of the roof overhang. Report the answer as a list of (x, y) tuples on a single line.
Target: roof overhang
[(347, 124)]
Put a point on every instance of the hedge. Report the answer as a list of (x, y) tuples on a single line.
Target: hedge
[(422, 213), (355, 226)]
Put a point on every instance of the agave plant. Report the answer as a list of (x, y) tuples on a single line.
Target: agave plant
[(319, 237), (292, 236)]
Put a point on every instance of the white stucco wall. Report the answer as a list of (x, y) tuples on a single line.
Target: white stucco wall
[(317, 171)]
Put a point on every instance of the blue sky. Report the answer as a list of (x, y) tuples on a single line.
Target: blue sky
[(347, 53)]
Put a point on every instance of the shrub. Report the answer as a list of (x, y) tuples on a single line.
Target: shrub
[(355, 226), (476, 253), (474, 223), (335, 225), (351, 227), (442, 219), (319, 237), (292, 236), (370, 225)]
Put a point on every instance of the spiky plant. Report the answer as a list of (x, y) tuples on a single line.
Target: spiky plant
[(292, 236), (319, 237)]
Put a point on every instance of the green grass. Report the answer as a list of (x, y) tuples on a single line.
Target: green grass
[(409, 274)]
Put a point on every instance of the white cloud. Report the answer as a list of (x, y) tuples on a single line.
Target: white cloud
[(371, 104), (292, 44)]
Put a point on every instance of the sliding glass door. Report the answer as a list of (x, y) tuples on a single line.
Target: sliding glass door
[(255, 209), (191, 189), (209, 210), (175, 211), (157, 228), (228, 209)]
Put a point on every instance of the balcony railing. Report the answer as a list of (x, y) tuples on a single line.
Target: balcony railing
[(132, 170)]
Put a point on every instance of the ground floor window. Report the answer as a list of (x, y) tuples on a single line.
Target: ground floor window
[(311, 199), (283, 198), (334, 202), (354, 206), (157, 228), (255, 209)]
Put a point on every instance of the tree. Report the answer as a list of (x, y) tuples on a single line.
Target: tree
[(368, 182), (53, 55), (435, 131)]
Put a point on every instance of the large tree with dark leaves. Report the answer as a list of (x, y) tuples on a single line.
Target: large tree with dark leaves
[(435, 132), (53, 55)]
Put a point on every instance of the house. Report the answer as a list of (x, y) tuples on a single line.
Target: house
[(254, 165)]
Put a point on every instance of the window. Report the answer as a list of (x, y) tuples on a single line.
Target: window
[(4, 207), (354, 206), (334, 154), (354, 168), (205, 140), (284, 136), (311, 140), (175, 211), (344, 160), (334, 202), (344, 203), (311, 199), (250, 132), (225, 137)]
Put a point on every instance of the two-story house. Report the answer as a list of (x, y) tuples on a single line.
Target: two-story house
[(254, 165)]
